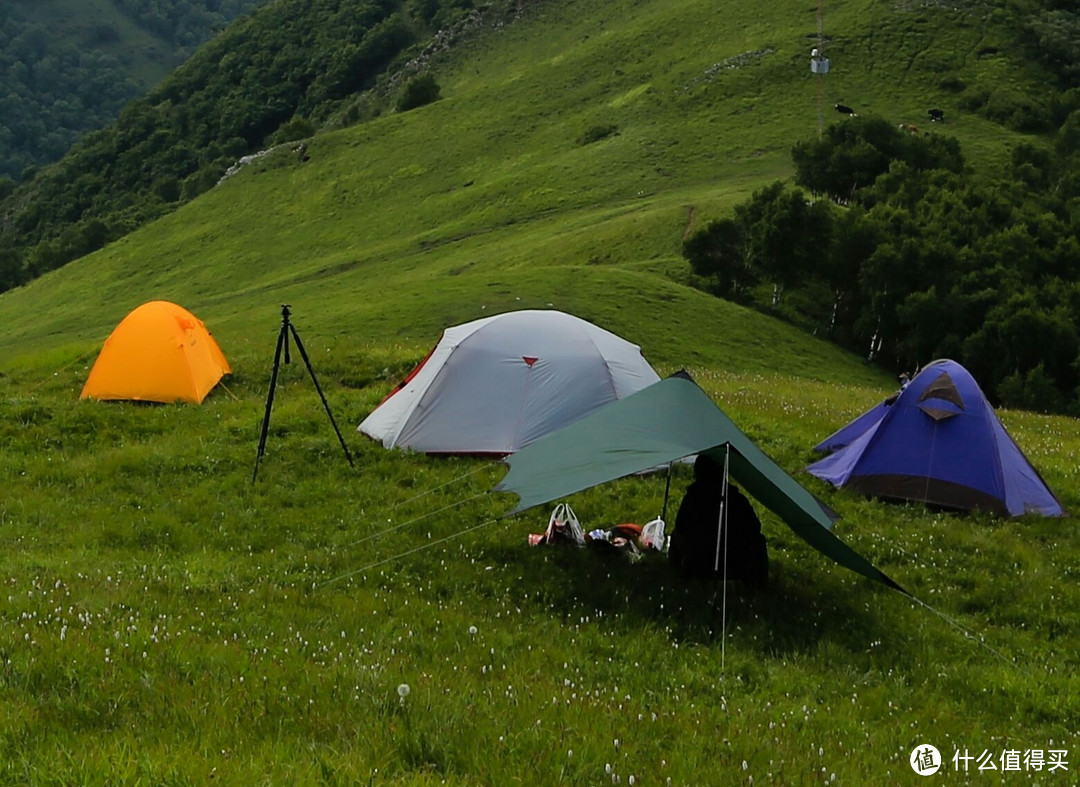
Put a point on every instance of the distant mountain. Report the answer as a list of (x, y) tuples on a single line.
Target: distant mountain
[(69, 66)]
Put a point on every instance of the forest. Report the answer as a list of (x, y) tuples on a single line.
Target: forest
[(56, 88), (185, 23), (888, 245)]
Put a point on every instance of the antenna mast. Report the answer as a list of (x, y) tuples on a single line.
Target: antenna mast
[(819, 64)]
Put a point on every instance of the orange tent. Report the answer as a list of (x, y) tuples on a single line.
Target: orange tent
[(158, 353)]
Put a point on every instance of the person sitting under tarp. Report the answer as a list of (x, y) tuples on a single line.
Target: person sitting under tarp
[(693, 548)]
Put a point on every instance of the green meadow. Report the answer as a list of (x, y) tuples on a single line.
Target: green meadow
[(165, 620)]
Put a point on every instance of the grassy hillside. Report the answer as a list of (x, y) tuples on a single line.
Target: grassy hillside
[(493, 177), (166, 620)]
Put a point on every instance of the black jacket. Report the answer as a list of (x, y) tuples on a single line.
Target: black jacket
[(693, 549)]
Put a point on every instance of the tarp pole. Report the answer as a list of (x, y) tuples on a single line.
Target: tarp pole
[(667, 491), (721, 533)]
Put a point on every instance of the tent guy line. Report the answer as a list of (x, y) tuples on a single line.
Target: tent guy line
[(406, 553), (461, 477), (83, 357), (968, 633), (413, 521)]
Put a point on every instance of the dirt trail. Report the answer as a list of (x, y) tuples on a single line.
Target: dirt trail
[(689, 223)]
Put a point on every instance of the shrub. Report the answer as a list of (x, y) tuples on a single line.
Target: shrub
[(1017, 112), (297, 128), (417, 92), (973, 98), (1032, 391), (953, 84), (597, 133)]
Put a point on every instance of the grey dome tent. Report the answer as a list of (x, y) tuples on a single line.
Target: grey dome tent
[(495, 385)]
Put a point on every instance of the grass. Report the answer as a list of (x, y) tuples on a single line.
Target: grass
[(167, 621)]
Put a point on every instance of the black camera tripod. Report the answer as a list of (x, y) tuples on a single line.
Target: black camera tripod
[(283, 342)]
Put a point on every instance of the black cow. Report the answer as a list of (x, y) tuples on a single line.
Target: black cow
[(843, 110), (936, 115)]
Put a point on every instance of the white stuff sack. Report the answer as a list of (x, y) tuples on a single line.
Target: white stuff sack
[(564, 523), (652, 534)]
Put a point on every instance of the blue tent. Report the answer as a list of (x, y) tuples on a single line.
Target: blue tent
[(939, 442)]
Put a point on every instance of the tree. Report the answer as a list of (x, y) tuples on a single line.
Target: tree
[(853, 240), (786, 235), (853, 154), (12, 272), (1055, 36), (1034, 390), (717, 254)]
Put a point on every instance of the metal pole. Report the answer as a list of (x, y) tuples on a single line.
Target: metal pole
[(721, 534), (820, 75), (667, 491)]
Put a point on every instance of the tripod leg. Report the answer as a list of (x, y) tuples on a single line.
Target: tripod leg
[(269, 402), (326, 405)]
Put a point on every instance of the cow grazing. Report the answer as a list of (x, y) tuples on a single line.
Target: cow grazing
[(936, 115), (844, 110)]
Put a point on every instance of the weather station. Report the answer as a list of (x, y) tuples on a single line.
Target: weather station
[(819, 65)]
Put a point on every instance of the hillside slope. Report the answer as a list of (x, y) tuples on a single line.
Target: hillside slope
[(697, 104)]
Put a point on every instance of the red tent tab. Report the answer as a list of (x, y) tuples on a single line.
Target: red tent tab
[(529, 359)]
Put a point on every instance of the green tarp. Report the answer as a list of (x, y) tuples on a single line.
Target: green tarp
[(665, 422)]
